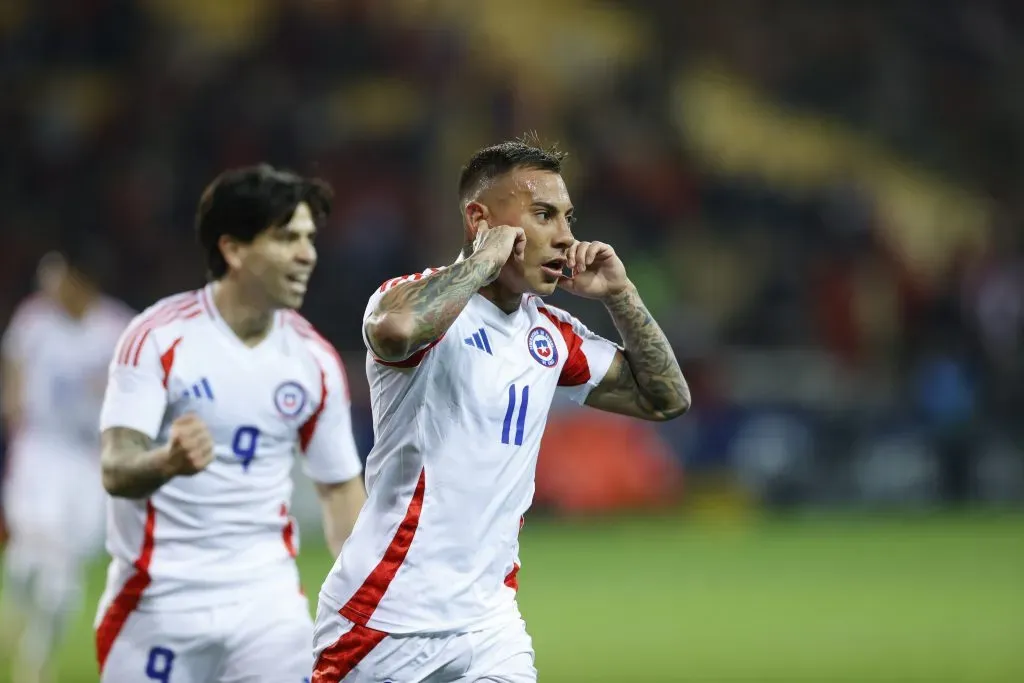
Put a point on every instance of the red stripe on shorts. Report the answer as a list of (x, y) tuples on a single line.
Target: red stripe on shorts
[(338, 660)]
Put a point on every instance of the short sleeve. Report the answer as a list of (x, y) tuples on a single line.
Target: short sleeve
[(136, 393), (326, 438), (589, 355), (417, 356)]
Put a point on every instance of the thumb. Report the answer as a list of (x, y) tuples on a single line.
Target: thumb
[(567, 283), (482, 227), (519, 244)]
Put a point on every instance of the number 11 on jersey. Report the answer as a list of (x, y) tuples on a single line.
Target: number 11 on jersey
[(523, 399)]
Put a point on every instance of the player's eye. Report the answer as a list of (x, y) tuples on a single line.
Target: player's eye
[(571, 218), (290, 237), (544, 215)]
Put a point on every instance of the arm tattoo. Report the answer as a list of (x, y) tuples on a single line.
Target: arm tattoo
[(433, 303), (653, 375), (132, 468)]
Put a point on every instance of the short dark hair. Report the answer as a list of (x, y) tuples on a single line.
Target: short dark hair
[(492, 162), (243, 202)]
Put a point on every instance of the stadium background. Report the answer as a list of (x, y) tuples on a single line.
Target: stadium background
[(819, 201)]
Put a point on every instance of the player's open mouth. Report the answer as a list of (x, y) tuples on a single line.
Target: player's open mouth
[(554, 267), (297, 282)]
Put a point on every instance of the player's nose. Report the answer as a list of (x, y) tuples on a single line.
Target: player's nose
[(306, 254), (563, 238)]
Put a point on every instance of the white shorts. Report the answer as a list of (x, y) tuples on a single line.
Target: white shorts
[(53, 498), (262, 641), (353, 653)]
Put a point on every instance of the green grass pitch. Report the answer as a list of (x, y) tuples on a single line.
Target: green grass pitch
[(822, 598)]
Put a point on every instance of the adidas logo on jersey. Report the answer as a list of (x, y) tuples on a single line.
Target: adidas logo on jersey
[(479, 340), (200, 390)]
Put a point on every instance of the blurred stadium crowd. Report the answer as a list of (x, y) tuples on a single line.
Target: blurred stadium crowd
[(819, 201)]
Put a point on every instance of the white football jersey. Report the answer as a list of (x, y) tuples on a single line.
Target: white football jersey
[(63, 363), (225, 532), (458, 427)]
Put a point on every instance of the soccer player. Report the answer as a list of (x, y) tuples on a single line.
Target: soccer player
[(211, 394), (463, 364), (55, 353)]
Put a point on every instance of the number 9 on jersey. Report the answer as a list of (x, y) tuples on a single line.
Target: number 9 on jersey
[(244, 444)]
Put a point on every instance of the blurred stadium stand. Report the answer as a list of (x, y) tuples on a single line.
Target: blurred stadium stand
[(819, 201)]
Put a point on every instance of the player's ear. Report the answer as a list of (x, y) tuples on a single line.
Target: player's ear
[(231, 250), (473, 213)]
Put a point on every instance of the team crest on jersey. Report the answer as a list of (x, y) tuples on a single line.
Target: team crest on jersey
[(290, 399), (542, 347)]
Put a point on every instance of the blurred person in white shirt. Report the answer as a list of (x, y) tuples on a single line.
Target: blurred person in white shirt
[(54, 354)]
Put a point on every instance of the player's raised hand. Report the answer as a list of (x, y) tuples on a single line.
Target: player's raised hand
[(596, 271), (190, 446), (499, 243)]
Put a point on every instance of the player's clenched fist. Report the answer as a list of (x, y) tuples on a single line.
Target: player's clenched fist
[(499, 243), (189, 446)]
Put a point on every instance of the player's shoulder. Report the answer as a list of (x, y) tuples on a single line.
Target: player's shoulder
[(310, 338), (158, 328), (168, 314), (178, 299)]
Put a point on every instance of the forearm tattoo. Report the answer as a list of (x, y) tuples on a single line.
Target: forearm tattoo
[(130, 468), (655, 370)]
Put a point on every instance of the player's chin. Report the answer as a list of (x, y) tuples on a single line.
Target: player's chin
[(543, 285), (289, 299)]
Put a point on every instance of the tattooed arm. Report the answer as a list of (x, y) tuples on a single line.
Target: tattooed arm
[(644, 380), (133, 468), (414, 314)]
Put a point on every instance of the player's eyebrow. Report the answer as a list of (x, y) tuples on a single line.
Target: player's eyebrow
[(548, 206), (286, 229)]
